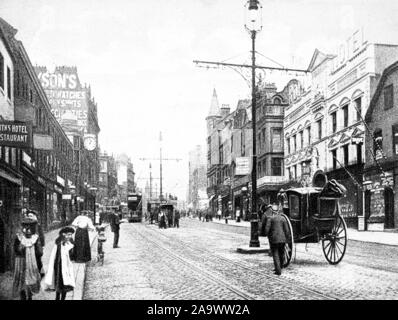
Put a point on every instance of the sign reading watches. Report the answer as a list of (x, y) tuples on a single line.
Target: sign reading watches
[(15, 134)]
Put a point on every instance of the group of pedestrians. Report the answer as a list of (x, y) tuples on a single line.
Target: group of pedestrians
[(28, 247), (168, 218)]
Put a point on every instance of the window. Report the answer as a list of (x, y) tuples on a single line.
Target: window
[(334, 122), (1, 71), (345, 112), (294, 143), (276, 166), (288, 145), (334, 159), (319, 122), (388, 97), (295, 171), (263, 131), (359, 153), (378, 144), (8, 83), (358, 105), (259, 144), (294, 207), (301, 139), (309, 135), (265, 167), (395, 139), (277, 140), (345, 153)]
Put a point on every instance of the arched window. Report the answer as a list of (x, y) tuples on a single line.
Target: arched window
[(277, 100)]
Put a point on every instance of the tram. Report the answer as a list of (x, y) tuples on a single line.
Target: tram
[(134, 205)]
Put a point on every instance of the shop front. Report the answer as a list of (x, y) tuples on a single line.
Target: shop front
[(10, 210), (380, 191)]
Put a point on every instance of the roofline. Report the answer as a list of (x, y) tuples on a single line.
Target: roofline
[(39, 88), (6, 44), (387, 71)]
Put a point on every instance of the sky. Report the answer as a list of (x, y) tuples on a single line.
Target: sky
[(138, 58)]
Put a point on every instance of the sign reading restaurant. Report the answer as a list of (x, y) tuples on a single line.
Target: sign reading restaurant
[(15, 134)]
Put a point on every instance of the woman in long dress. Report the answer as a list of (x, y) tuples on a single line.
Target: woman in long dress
[(82, 250), (28, 252), (60, 275)]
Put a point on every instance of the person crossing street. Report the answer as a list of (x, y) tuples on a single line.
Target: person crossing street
[(277, 231)]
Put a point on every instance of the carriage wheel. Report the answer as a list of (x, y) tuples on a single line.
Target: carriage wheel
[(289, 247), (334, 244)]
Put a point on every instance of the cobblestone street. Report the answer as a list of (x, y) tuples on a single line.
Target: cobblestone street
[(199, 261)]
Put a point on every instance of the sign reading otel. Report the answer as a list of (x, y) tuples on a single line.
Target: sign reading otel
[(15, 134)]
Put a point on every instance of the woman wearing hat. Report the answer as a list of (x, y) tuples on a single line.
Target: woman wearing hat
[(60, 275), (28, 252), (82, 250)]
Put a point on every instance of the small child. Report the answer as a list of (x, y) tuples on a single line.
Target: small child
[(60, 275)]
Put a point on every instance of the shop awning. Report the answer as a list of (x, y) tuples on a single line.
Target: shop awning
[(10, 178)]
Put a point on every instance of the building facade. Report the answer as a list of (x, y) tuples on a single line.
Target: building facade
[(229, 151), (324, 127), (76, 111), (44, 166), (381, 145)]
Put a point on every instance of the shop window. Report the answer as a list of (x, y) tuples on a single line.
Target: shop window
[(378, 144), (358, 105), (388, 97), (276, 166)]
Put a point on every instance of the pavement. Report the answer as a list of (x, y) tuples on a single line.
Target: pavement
[(78, 268), (379, 237)]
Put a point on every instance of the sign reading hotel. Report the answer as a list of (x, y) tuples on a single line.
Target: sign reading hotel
[(15, 134), (68, 98)]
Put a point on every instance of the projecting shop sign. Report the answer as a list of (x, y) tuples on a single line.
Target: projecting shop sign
[(15, 134), (242, 166)]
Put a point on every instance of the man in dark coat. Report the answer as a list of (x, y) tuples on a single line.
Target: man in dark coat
[(115, 227), (278, 234), (177, 219)]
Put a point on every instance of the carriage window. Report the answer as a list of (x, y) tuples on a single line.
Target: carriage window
[(327, 207), (294, 206)]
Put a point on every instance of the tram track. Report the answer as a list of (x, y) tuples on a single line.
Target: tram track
[(173, 241), (208, 275)]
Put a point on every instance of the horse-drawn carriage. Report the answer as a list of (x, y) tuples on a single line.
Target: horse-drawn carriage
[(314, 215)]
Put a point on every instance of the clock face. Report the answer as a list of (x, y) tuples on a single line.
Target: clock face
[(90, 143)]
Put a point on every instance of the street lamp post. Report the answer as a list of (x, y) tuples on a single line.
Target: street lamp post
[(253, 25)]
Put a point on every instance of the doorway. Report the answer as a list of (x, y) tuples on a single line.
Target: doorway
[(389, 208)]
